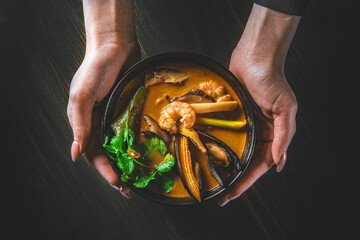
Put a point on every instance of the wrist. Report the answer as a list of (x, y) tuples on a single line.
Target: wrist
[(109, 23), (114, 54), (267, 37)]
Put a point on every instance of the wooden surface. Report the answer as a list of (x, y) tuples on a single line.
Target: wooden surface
[(42, 43)]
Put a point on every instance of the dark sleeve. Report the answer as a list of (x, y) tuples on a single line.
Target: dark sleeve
[(293, 7)]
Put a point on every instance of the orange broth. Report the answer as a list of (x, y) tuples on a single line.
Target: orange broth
[(155, 101)]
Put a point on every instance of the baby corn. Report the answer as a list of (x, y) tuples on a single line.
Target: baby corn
[(194, 137), (186, 168)]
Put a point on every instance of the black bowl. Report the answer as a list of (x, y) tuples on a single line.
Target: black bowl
[(129, 82)]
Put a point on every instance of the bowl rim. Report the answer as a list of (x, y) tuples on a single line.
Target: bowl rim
[(122, 82)]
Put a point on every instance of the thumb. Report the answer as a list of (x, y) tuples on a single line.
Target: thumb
[(284, 130), (80, 116)]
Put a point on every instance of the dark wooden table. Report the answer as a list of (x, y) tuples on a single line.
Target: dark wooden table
[(42, 43)]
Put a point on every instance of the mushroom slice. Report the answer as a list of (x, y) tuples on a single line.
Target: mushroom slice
[(170, 75), (155, 128)]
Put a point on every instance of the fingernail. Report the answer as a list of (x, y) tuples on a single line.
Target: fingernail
[(224, 202), (282, 162), (75, 151), (126, 195), (120, 189)]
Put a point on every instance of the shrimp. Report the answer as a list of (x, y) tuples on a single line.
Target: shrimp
[(224, 98), (214, 90), (172, 112)]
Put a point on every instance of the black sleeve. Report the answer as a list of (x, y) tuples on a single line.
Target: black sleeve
[(293, 7)]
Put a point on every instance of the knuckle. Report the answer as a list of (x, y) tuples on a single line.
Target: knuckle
[(69, 112), (81, 96), (293, 103)]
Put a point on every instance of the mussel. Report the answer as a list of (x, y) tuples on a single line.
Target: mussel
[(222, 160), (193, 96), (168, 74), (198, 176), (220, 156)]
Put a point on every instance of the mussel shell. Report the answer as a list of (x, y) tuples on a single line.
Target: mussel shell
[(234, 165), (213, 170)]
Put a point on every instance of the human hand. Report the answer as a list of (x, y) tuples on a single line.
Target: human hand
[(111, 48), (258, 62)]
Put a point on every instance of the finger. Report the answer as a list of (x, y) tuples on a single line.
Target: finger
[(102, 165), (69, 113), (81, 115), (284, 131), (260, 165)]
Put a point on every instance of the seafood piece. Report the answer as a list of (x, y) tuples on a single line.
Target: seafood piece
[(184, 161), (193, 96), (222, 159), (214, 172), (197, 173), (214, 90), (165, 75), (131, 112), (160, 100), (194, 137), (155, 128), (172, 112), (224, 98)]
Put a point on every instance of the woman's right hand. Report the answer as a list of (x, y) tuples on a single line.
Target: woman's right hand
[(111, 48)]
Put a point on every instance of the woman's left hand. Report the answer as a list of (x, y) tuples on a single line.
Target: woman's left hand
[(258, 62)]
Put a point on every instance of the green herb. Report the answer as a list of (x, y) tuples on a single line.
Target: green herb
[(125, 152), (158, 145), (164, 182), (167, 163), (144, 180), (126, 163)]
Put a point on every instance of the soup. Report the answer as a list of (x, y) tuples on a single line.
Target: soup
[(184, 130)]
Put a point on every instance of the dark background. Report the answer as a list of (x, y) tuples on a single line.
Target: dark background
[(46, 195)]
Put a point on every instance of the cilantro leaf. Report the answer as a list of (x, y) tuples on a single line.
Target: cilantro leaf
[(123, 145), (156, 144), (126, 163), (110, 148), (161, 148), (167, 163), (131, 138), (164, 182), (125, 177), (106, 139), (118, 148), (115, 142), (144, 180)]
